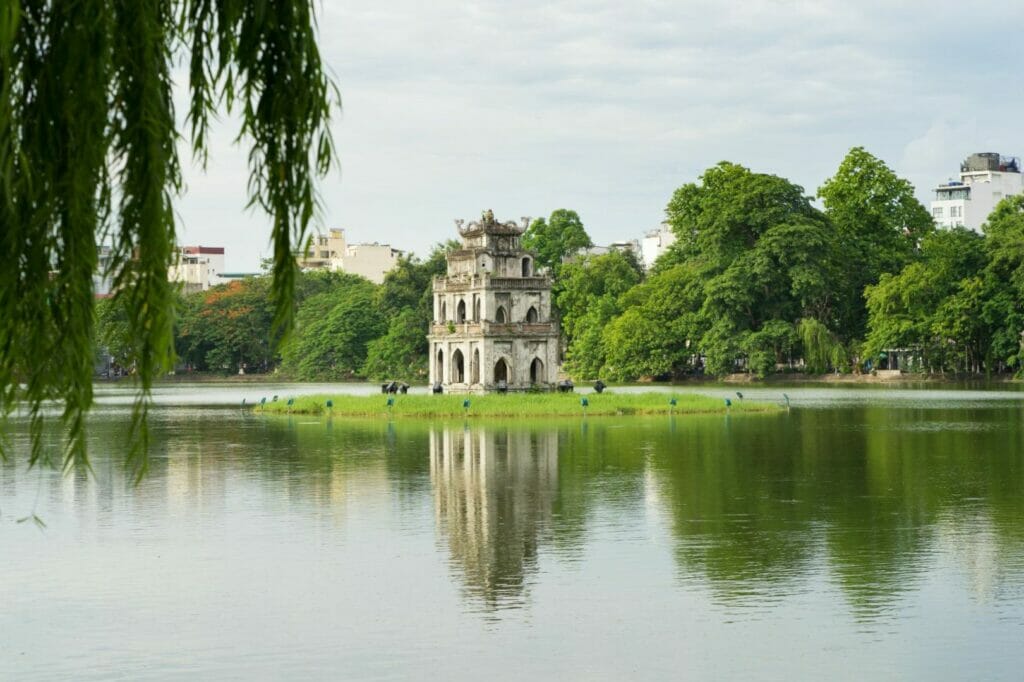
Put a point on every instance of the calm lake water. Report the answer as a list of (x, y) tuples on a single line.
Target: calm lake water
[(864, 534)]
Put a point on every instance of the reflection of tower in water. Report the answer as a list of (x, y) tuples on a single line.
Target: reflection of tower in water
[(494, 490)]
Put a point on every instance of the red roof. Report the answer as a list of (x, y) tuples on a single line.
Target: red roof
[(211, 250)]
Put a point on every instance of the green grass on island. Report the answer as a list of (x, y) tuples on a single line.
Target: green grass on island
[(512, 405)]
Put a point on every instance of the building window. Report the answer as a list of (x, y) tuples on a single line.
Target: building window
[(956, 211), (937, 212)]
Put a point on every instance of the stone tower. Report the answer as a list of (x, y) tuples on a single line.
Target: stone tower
[(492, 314)]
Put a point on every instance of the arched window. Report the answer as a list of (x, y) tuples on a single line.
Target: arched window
[(526, 267), (458, 368), (474, 367), (440, 366), (531, 315), (460, 311), (476, 308), (536, 371), (501, 371), (500, 316), (444, 311)]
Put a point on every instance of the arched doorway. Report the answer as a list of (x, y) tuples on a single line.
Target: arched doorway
[(460, 312), (526, 267), (458, 368), (536, 371), (501, 371), (500, 316), (531, 315), (439, 376), (474, 367)]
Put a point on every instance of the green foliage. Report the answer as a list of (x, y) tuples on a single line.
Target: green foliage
[(560, 236), (406, 299), (878, 223), (653, 336), (1004, 277), (227, 328), (774, 343), (113, 332), (586, 296), (401, 353), (585, 280), (921, 308), (87, 120), (717, 220), (332, 332), (758, 257), (821, 350)]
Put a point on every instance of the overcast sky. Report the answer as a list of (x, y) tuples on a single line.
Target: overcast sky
[(452, 107)]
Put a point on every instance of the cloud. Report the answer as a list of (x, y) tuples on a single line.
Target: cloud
[(606, 107)]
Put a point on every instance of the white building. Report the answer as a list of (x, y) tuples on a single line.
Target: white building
[(655, 243), (197, 267), (333, 252), (985, 179)]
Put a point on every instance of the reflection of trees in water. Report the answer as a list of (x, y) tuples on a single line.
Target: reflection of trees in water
[(494, 491), (199, 457), (756, 505), (754, 508)]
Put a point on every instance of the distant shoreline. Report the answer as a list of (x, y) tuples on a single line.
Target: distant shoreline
[(785, 378)]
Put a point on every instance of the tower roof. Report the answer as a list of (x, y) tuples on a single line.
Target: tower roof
[(488, 225)]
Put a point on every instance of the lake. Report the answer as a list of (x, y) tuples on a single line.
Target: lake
[(866, 533)]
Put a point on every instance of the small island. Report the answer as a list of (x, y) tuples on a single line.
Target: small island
[(513, 405)]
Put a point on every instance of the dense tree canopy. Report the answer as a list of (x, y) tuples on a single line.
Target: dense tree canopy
[(556, 238), (878, 223), (960, 307), (332, 332), (107, 166), (406, 298), (586, 296), (759, 279), (752, 258)]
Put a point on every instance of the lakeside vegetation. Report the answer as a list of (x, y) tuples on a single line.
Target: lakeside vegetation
[(759, 281), (513, 405)]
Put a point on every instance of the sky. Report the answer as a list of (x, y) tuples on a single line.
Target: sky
[(453, 107)]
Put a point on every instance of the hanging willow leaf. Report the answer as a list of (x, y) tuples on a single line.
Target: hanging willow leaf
[(88, 152)]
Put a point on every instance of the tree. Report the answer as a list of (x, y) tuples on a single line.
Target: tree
[(717, 220), (332, 332), (660, 320), (109, 165), (553, 240), (760, 258), (1003, 309), (822, 351), (582, 282), (228, 328), (406, 299), (399, 354), (879, 224), (904, 308)]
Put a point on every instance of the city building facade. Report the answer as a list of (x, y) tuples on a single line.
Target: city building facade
[(197, 267), (332, 251), (493, 327), (985, 179)]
